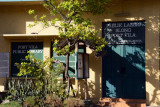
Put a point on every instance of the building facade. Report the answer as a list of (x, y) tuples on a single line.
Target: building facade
[(130, 69)]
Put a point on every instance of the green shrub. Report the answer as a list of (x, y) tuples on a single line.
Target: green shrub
[(19, 89), (47, 90), (47, 75), (73, 102), (31, 101), (53, 101), (12, 104)]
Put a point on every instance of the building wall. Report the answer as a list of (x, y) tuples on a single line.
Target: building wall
[(14, 20)]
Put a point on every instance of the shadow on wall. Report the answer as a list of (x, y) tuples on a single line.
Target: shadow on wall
[(14, 17), (94, 91), (12, 20), (151, 59), (15, 22)]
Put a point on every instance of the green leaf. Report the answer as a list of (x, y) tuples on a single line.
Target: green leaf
[(31, 12)]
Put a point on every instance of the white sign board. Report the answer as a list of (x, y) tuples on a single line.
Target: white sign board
[(4, 64)]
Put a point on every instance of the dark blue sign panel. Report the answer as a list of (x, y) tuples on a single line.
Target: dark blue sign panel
[(20, 50), (128, 32)]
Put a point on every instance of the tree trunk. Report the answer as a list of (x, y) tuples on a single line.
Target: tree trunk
[(67, 66), (64, 79), (67, 75)]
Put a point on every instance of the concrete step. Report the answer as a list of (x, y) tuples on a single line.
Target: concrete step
[(119, 102)]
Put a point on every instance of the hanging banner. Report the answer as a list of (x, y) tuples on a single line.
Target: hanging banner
[(128, 32)]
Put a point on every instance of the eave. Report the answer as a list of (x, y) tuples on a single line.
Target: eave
[(21, 2), (26, 36)]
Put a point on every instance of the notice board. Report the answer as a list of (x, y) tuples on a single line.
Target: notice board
[(20, 49)]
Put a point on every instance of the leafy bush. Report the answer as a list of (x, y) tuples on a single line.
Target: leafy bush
[(53, 101), (73, 102), (19, 89), (48, 81), (12, 104), (31, 101), (46, 90)]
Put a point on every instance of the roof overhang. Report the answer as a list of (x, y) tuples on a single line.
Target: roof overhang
[(21, 2), (27, 36)]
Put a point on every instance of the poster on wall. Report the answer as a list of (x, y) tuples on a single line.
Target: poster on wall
[(4, 64), (127, 32), (20, 49)]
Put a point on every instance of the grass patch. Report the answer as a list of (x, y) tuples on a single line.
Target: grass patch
[(11, 104)]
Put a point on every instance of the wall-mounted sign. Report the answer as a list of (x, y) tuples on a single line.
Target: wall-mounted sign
[(128, 32), (4, 64), (20, 50)]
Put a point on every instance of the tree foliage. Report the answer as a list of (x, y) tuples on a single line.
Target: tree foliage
[(73, 26)]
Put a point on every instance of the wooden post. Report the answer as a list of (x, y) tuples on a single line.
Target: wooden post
[(76, 80), (85, 80), (86, 90)]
